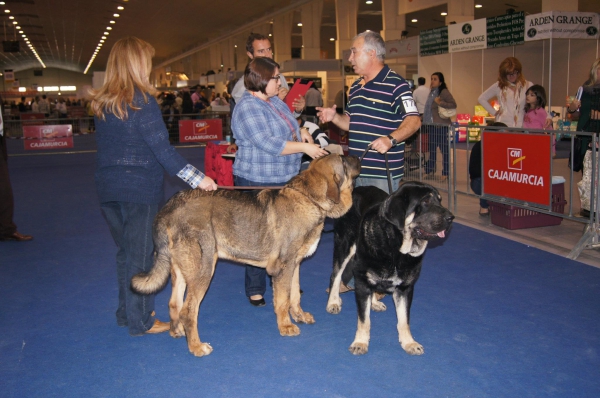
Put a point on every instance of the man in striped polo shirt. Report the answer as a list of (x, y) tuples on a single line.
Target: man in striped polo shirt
[(381, 113)]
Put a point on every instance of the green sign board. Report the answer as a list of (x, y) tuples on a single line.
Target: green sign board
[(506, 30), (434, 41)]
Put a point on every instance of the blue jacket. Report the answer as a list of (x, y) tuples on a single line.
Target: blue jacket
[(133, 155)]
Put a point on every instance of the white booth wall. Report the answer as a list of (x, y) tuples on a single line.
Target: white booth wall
[(469, 73)]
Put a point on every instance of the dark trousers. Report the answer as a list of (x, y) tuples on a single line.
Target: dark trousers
[(130, 225), (438, 137), (7, 204), (476, 187)]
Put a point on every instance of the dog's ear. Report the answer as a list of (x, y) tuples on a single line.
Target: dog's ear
[(394, 209), (334, 186)]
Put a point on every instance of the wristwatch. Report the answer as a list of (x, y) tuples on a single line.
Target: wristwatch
[(393, 140)]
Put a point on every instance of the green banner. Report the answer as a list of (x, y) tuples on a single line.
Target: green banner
[(434, 41), (506, 30)]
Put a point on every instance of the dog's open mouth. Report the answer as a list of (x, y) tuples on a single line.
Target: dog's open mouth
[(422, 234)]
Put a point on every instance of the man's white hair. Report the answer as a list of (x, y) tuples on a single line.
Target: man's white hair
[(373, 41)]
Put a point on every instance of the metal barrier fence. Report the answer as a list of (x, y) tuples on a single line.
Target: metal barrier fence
[(434, 156)]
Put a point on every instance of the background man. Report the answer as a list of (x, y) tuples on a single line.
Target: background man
[(8, 229), (420, 95), (384, 126), (259, 45)]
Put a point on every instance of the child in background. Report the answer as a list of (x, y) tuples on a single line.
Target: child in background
[(535, 114)]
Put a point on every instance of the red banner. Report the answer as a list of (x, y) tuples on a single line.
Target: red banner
[(48, 137), (32, 119), (517, 166), (200, 130)]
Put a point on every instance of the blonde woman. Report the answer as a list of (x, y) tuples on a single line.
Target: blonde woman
[(133, 153), (510, 91)]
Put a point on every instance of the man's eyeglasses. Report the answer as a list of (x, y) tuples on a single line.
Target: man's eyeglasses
[(276, 77)]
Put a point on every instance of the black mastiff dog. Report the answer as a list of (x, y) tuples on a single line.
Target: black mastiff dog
[(381, 242)]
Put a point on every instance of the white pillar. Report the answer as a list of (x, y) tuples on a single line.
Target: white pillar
[(460, 11), (311, 15), (559, 5), (282, 35), (345, 15), (393, 24)]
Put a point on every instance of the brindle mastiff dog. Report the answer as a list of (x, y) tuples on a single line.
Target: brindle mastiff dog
[(272, 229)]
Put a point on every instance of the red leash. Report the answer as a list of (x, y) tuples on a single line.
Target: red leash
[(248, 188)]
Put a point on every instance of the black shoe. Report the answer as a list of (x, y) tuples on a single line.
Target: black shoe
[(258, 303)]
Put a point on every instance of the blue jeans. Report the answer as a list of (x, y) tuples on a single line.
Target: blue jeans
[(130, 225), (476, 187), (381, 183), (256, 277), (438, 137)]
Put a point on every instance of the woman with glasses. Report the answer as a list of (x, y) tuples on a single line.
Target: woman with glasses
[(509, 91), (270, 145)]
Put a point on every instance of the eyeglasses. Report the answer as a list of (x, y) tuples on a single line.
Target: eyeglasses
[(276, 77), (513, 73)]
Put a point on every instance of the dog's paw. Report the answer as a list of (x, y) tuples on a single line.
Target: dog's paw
[(289, 330), (177, 331), (413, 348), (304, 317), (378, 306), (359, 348), (201, 350), (334, 307)]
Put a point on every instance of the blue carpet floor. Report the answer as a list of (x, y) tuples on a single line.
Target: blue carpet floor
[(496, 318)]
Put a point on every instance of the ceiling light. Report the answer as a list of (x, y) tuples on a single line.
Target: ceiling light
[(103, 37), (20, 31), (11, 17), (414, 20), (111, 21), (15, 23), (270, 34), (120, 8), (235, 46), (478, 6), (108, 28), (18, 27), (331, 39), (1, 4), (443, 14), (101, 41), (106, 33), (6, 11), (116, 15), (369, 1), (299, 23)]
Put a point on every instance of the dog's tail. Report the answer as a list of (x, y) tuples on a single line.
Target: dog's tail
[(156, 279)]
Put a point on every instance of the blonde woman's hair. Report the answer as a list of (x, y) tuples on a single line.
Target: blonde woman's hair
[(128, 68), (594, 74)]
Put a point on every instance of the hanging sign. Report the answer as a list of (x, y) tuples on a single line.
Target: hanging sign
[(467, 36), (506, 30), (562, 25), (433, 41)]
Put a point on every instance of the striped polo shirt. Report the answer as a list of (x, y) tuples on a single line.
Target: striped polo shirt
[(377, 109)]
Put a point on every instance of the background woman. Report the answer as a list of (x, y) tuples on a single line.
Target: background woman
[(269, 145), (509, 91), (133, 153), (588, 110), (439, 95)]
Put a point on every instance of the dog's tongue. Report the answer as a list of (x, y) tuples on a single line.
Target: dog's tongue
[(441, 234)]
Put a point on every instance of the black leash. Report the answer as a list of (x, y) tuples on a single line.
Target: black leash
[(387, 167)]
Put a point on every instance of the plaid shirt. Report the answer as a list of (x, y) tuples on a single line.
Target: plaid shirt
[(191, 175), (261, 130)]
